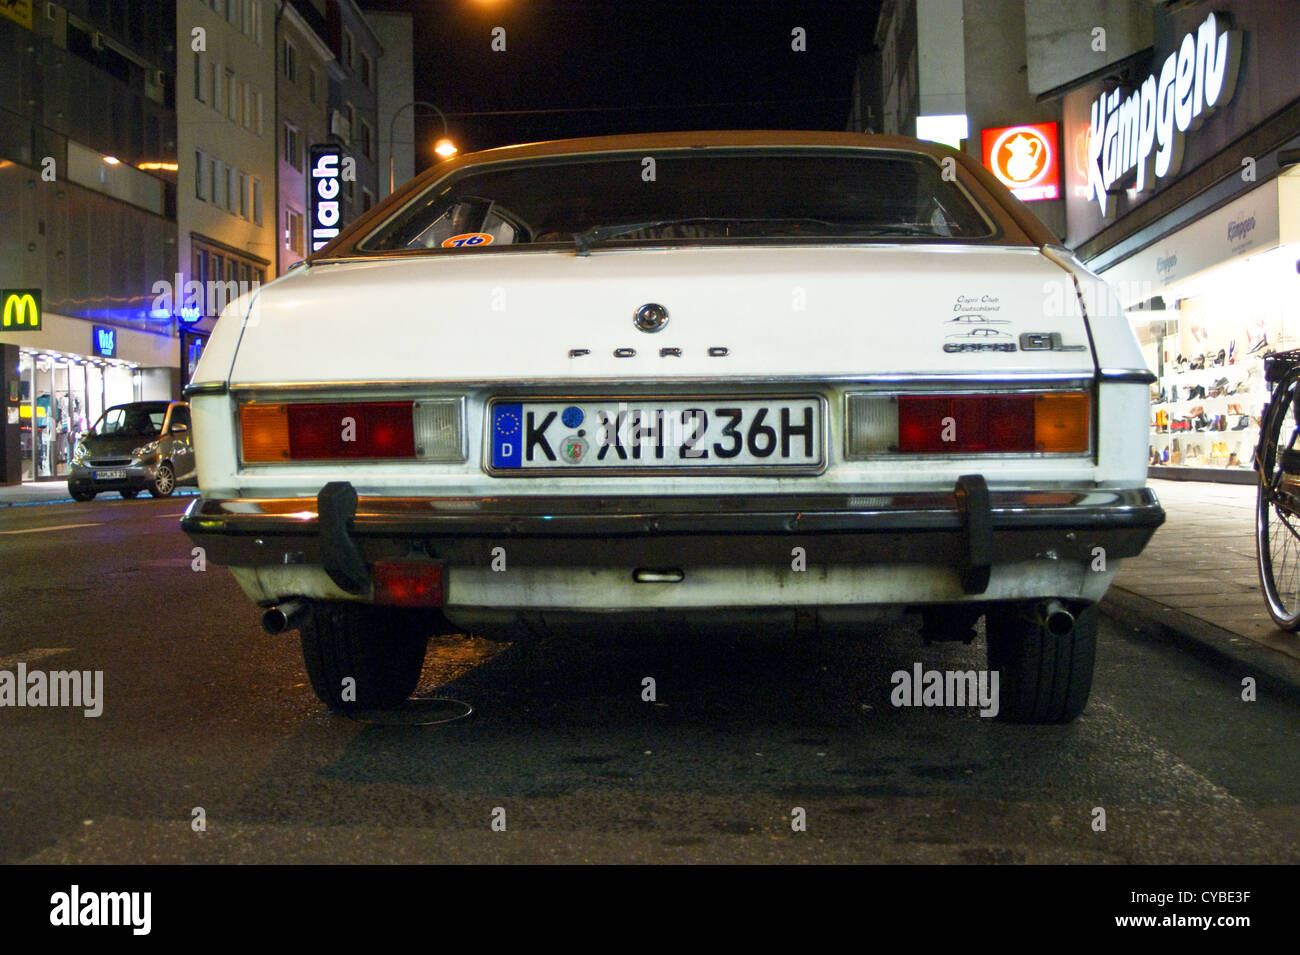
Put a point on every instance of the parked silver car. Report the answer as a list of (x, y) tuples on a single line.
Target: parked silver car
[(142, 446)]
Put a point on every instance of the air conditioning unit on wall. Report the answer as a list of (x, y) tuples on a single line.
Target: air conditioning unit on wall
[(339, 126)]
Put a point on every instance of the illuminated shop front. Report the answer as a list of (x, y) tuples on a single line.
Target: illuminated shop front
[(1228, 284), (65, 374), (1182, 186)]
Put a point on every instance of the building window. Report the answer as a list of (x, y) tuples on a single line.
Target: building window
[(198, 77), (293, 231), (311, 82), (347, 48), (257, 112), (352, 122), (199, 169), (232, 11), (367, 199), (367, 138), (232, 96), (218, 179), (231, 198), (257, 201), (257, 20), (243, 195), (292, 146), (218, 88), (367, 70), (289, 61), (349, 191)]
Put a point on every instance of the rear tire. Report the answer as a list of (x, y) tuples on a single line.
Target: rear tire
[(1043, 678), (381, 650)]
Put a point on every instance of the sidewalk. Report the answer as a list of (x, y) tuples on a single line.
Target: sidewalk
[(1197, 581), (34, 492), (56, 492)]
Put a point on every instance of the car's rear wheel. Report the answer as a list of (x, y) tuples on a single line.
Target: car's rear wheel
[(164, 481), (363, 657), (1044, 661), (128, 494), (80, 495)]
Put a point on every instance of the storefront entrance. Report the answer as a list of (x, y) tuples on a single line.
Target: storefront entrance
[(62, 398)]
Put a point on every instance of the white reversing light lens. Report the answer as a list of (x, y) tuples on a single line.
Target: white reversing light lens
[(872, 425), (439, 432)]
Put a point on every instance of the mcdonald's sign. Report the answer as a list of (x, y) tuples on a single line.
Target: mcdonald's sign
[(20, 310)]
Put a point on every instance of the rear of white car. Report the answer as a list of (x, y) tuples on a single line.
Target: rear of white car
[(771, 422)]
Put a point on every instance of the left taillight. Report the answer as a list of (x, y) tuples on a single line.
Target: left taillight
[(971, 423), (430, 430)]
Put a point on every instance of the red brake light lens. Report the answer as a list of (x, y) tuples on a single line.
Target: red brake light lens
[(380, 429), (975, 424)]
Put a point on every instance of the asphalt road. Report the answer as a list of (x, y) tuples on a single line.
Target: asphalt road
[(201, 709)]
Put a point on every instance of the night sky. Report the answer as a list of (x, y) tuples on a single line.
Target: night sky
[(596, 67)]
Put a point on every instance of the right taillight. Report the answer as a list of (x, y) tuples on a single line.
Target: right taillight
[(1021, 423)]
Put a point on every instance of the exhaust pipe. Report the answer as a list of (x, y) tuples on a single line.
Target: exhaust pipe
[(1056, 619), (286, 616)]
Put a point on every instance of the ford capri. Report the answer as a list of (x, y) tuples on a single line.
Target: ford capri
[(803, 381)]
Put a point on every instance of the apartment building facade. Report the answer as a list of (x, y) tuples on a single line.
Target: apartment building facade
[(88, 204)]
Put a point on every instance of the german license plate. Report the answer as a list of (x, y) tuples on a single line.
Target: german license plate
[(612, 434), (109, 475)]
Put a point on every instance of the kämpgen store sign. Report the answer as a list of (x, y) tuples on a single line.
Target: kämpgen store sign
[(1211, 79)]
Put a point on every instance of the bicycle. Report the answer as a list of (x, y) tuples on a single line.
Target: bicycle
[(1277, 508)]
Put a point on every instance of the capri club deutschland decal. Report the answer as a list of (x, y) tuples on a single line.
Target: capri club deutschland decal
[(1024, 159)]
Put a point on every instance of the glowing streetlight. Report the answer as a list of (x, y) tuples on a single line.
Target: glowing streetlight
[(444, 148)]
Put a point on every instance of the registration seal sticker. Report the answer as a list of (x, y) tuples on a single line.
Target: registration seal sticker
[(467, 240), (572, 449)]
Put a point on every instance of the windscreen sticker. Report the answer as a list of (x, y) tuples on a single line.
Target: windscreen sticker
[(467, 240)]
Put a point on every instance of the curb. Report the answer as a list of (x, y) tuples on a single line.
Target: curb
[(179, 492), (1224, 650)]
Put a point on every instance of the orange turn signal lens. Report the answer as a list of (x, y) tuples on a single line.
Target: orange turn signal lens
[(264, 431), (1061, 422)]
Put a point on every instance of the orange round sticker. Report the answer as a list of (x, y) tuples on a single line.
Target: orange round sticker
[(466, 241)]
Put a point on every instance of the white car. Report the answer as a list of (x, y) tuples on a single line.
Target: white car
[(781, 379)]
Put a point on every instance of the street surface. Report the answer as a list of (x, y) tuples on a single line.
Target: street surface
[(202, 709)]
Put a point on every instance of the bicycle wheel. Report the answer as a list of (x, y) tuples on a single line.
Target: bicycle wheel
[(1277, 510)]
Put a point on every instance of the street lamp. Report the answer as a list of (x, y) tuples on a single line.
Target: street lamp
[(444, 148)]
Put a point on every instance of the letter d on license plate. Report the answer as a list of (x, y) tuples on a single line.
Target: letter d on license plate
[(768, 434)]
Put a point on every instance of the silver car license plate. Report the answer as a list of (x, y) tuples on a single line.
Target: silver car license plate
[(612, 434), (109, 475)]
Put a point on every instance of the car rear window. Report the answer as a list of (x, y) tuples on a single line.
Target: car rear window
[(688, 196)]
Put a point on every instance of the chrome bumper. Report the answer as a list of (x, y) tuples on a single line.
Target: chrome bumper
[(969, 527)]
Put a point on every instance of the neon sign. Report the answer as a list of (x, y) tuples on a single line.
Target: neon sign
[(21, 309), (104, 341), (1024, 159), (1142, 134), (325, 185)]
